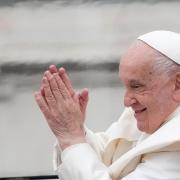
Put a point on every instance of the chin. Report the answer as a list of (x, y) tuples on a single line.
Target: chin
[(143, 128), (146, 130)]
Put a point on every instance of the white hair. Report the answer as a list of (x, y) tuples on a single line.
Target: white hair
[(165, 64)]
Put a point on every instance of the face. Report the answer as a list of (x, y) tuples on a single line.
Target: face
[(148, 91)]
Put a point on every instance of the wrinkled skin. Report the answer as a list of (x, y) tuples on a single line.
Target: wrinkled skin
[(149, 92), (63, 108), (153, 95)]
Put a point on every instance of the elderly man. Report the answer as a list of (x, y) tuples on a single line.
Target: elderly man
[(145, 142)]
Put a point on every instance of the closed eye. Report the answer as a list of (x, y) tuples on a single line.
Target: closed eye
[(135, 86)]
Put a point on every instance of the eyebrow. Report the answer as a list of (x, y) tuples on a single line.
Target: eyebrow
[(134, 81)]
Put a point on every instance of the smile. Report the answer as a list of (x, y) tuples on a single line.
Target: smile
[(140, 111)]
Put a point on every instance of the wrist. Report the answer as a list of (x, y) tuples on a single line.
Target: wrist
[(66, 142)]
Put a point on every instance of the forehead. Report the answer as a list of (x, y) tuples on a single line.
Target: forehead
[(137, 62)]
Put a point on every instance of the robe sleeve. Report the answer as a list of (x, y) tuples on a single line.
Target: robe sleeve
[(80, 162), (97, 141), (84, 161), (157, 166)]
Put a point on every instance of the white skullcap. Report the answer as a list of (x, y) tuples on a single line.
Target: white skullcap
[(166, 42)]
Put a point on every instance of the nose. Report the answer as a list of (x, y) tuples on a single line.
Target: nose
[(129, 99)]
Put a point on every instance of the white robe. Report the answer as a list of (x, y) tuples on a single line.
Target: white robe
[(124, 153)]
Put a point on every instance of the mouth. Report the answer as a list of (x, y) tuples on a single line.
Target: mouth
[(140, 110)]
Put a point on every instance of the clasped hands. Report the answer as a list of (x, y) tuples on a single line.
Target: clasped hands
[(63, 108)]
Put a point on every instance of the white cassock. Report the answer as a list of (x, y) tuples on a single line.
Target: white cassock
[(124, 153)]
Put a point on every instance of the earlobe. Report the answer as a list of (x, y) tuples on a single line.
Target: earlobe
[(176, 95)]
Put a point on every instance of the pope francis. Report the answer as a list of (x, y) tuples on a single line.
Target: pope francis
[(144, 144)]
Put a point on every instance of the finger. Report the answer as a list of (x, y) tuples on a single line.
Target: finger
[(41, 87), (48, 75), (53, 69), (64, 76), (54, 86), (66, 80), (42, 91), (42, 104), (83, 99), (65, 93), (51, 101), (84, 94)]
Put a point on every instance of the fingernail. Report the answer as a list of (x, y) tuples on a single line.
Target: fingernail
[(62, 70), (51, 66), (86, 89), (46, 72), (48, 75)]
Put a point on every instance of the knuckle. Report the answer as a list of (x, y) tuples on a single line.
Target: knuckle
[(45, 111), (56, 76), (43, 108), (55, 89), (52, 80), (63, 92), (46, 86), (61, 88), (50, 97)]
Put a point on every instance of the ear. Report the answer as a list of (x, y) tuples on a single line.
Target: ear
[(176, 95)]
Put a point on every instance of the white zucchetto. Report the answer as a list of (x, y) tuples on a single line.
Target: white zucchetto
[(166, 42)]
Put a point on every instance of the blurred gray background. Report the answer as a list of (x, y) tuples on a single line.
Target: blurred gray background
[(87, 37)]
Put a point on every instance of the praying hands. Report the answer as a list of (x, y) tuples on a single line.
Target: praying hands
[(63, 108)]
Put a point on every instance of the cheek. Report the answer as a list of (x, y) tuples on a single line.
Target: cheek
[(157, 104), (157, 107), (163, 100), (145, 98), (152, 97)]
